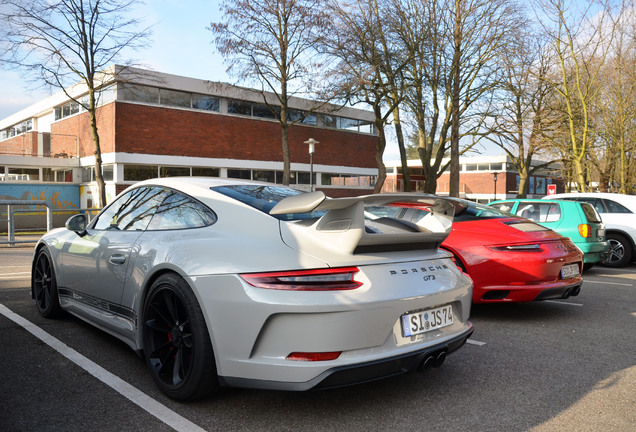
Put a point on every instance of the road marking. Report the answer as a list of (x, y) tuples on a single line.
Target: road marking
[(563, 302), (608, 283), (9, 276), (611, 269), (155, 408), (474, 342)]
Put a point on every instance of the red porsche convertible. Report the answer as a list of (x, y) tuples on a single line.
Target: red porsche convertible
[(509, 258)]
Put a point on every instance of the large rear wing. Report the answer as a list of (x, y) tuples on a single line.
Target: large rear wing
[(352, 225)]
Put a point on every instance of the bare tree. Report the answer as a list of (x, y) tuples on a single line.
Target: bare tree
[(581, 39), (526, 120), (63, 42), (453, 49), (481, 33), (614, 110), (360, 51), (273, 42)]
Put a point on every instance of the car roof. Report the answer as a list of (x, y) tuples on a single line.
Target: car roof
[(532, 200), (628, 201)]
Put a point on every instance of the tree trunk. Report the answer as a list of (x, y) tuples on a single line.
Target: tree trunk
[(454, 154), (99, 178), (400, 139)]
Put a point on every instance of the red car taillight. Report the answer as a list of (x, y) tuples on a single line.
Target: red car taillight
[(584, 230), (306, 280), (309, 356)]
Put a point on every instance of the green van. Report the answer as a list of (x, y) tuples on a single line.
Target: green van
[(577, 220)]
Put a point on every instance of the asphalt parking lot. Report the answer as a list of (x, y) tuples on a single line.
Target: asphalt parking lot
[(545, 366)]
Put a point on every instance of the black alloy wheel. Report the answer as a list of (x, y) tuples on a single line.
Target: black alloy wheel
[(619, 253), (44, 285), (177, 346)]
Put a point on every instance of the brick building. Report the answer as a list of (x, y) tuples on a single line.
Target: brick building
[(482, 179), (157, 125)]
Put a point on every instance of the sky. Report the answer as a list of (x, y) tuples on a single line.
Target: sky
[(181, 45)]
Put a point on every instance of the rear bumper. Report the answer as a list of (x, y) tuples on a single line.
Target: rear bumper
[(358, 373), (528, 293), (592, 252)]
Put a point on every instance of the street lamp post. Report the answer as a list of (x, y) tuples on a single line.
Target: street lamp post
[(494, 175), (312, 148)]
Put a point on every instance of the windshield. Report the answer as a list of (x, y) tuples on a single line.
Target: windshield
[(264, 198)]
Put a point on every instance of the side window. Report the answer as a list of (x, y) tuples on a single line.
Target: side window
[(504, 206), (539, 211), (598, 205), (131, 211), (614, 207), (179, 211)]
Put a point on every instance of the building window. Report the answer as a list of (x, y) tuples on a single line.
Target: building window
[(239, 174), (24, 174), (263, 111), (108, 172), (140, 172), (64, 176), (174, 98), (205, 172), (140, 93), (239, 107), (203, 102), (265, 176), (174, 172), (329, 121)]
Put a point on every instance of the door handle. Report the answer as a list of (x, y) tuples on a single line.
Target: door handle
[(117, 259)]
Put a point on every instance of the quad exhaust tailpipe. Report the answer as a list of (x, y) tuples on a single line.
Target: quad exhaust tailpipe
[(435, 360)]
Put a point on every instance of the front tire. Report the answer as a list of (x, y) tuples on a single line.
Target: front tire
[(620, 251), (177, 346), (44, 285)]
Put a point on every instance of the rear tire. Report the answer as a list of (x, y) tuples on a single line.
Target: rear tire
[(177, 346), (44, 285), (620, 251)]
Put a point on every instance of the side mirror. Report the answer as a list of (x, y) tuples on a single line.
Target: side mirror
[(78, 224)]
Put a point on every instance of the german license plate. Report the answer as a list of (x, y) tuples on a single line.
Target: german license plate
[(569, 270), (421, 322)]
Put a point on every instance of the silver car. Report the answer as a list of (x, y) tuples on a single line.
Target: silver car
[(233, 283)]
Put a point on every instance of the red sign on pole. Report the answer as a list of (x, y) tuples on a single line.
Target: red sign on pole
[(551, 189)]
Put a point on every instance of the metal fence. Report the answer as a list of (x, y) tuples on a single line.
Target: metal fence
[(54, 218)]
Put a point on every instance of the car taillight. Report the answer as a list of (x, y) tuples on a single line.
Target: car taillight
[(535, 247), (306, 280), (584, 230), (308, 356)]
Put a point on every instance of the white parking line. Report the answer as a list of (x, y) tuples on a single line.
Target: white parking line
[(474, 342), (160, 411), (563, 302), (9, 276), (607, 283), (621, 270)]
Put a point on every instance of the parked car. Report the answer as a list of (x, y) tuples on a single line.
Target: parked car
[(510, 259), (618, 212), (577, 220), (222, 282)]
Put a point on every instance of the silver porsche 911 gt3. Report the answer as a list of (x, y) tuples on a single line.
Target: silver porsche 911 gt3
[(231, 283)]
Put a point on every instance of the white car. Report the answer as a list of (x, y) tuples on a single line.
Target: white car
[(233, 283), (618, 212)]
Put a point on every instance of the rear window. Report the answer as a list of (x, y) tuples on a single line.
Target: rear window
[(590, 213), (614, 207), (539, 211), (264, 198), (474, 211)]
